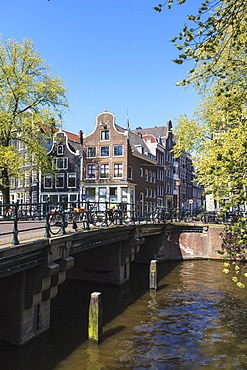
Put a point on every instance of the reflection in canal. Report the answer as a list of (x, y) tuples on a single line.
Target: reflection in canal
[(196, 320)]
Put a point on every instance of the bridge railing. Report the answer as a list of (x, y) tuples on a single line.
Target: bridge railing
[(52, 218)]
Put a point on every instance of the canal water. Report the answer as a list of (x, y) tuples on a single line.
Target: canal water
[(197, 319)]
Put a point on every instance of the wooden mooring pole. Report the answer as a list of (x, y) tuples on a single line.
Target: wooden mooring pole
[(95, 318), (153, 276)]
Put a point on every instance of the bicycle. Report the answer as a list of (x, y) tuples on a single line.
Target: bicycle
[(55, 222)]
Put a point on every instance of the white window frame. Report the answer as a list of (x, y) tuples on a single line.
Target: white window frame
[(91, 156), (105, 146), (119, 171), (63, 160), (60, 149), (59, 175), (103, 165), (93, 165), (103, 135), (118, 155), (47, 176), (70, 176)]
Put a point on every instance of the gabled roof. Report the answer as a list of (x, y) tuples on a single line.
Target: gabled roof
[(155, 131), (72, 137)]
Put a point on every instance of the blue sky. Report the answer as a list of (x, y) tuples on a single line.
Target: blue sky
[(112, 54)]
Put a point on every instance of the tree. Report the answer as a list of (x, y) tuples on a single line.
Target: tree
[(217, 28), (31, 106)]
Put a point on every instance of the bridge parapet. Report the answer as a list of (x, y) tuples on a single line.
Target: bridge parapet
[(36, 271)]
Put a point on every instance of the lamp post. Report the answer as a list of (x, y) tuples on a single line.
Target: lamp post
[(178, 182)]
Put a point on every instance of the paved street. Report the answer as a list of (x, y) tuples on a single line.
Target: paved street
[(28, 230)]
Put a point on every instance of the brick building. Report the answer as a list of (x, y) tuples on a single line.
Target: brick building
[(117, 165)]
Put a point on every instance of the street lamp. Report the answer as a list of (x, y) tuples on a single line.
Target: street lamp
[(178, 182)]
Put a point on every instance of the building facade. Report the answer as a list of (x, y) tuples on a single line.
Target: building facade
[(116, 165), (65, 153)]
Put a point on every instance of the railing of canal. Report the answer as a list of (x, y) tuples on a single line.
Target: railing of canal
[(54, 218)]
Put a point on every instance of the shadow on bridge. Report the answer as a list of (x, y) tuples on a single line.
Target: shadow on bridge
[(69, 318)]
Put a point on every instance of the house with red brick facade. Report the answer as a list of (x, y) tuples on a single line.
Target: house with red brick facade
[(118, 166)]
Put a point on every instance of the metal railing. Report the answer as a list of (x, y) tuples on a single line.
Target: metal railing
[(53, 218)]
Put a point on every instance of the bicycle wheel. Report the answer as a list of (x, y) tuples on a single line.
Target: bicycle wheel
[(55, 224)]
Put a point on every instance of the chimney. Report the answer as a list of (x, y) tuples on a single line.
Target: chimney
[(80, 135)]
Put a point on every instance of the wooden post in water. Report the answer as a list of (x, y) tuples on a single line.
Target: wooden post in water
[(95, 318), (153, 276)]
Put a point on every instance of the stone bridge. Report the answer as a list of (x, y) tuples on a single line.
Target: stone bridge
[(31, 273)]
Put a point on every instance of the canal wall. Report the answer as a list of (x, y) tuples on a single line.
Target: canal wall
[(183, 241), (30, 274)]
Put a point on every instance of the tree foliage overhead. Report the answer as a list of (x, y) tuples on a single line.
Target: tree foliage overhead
[(215, 38), (31, 105), (216, 27)]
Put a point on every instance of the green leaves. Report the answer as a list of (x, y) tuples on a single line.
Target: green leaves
[(30, 96)]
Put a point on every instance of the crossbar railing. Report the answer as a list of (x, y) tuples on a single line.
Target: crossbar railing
[(53, 218)]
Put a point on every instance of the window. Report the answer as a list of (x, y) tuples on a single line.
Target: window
[(48, 182), (104, 170), (91, 151), (59, 180), (130, 172), (61, 163), (141, 172), (27, 179), (20, 183), (154, 177), (105, 135), (102, 192), (90, 194), (124, 194), (12, 182), (71, 180), (118, 150), (104, 151), (146, 192), (113, 194), (34, 177), (146, 175), (113, 191), (91, 171), (60, 150), (150, 176), (118, 170)]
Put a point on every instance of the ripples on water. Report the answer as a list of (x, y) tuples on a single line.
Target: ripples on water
[(196, 320)]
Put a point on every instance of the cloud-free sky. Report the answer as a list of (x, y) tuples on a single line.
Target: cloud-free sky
[(112, 54)]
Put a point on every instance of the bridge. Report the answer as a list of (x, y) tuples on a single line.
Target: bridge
[(31, 272)]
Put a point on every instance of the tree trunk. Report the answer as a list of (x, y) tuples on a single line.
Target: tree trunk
[(5, 186)]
